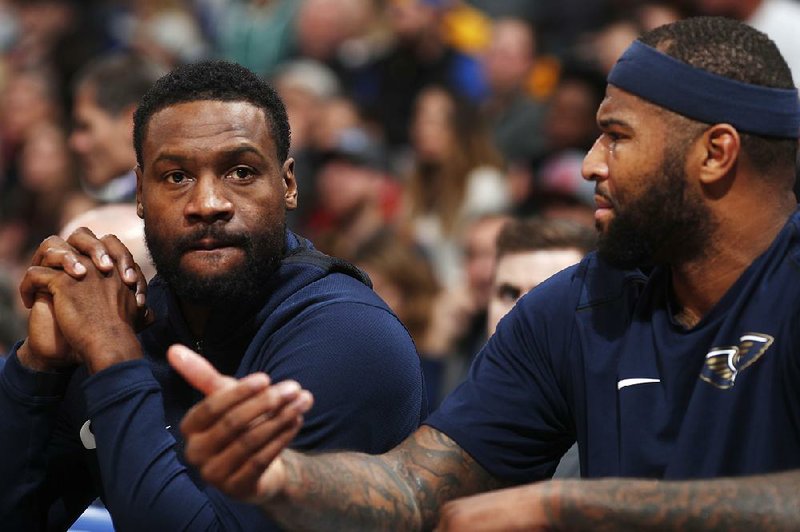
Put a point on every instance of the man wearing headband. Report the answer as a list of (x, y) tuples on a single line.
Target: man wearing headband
[(671, 355)]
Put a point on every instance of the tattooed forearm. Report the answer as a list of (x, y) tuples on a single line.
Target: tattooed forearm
[(766, 502), (402, 489)]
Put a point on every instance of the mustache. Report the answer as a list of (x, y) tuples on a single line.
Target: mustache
[(606, 196), (217, 233)]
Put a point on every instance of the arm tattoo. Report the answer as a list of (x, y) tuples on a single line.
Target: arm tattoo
[(765, 502), (402, 489)]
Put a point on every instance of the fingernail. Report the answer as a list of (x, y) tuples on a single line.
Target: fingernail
[(140, 300), (288, 388), (105, 260), (130, 274), (304, 400), (179, 351), (257, 381), (80, 268)]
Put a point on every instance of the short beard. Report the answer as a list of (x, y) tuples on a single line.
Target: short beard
[(263, 253), (667, 224)]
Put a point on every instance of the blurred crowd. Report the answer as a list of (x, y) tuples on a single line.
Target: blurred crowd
[(419, 127)]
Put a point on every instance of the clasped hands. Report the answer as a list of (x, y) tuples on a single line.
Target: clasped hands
[(87, 298)]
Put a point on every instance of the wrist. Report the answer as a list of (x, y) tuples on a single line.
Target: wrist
[(272, 485), (29, 359), (114, 346)]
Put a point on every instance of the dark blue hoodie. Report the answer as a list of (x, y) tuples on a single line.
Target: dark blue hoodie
[(319, 324)]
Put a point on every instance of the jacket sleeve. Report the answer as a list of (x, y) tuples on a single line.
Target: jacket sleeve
[(36, 490), (145, 484)]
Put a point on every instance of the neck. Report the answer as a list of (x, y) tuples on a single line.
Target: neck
[(196, 317), (743, 235)]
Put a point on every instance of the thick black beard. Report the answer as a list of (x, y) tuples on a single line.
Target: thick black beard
[(668, 224), (263, 253)]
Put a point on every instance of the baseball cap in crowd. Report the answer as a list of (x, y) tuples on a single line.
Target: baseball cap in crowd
[(357, 147), (560, 175)]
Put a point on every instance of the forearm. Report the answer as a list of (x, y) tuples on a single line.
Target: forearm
[(766, 502), (29, 402), (144, 482), (402, 490)]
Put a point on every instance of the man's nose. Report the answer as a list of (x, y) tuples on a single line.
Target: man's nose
[(209, 201), (595, 166)]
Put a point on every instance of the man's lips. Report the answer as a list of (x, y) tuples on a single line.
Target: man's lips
[(602, 202), (207, 244)]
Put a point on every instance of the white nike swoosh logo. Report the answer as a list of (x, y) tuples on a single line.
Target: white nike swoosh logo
[(624, 383)]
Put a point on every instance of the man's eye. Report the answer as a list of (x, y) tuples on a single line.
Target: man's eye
[(242, 173), (508, 293), (176, 177)]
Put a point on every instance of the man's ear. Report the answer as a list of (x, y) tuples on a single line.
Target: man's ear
[(720, 147), (139, 205), (289, 184)]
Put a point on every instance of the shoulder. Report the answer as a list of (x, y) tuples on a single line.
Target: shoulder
[(588, 284)]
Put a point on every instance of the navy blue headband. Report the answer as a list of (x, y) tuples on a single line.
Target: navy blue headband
[(701, 95)]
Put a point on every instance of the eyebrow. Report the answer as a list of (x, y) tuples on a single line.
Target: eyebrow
[(228, 154), (608, 122)]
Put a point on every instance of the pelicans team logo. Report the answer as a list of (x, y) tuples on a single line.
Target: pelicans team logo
[(723, 364)]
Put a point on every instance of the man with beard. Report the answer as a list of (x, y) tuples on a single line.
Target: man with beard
[(671, 355), (88, 408)]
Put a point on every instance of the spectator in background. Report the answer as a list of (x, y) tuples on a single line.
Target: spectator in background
[(456, 177), (107, 92), (651, 14), (57, 35), (603, 47), (49, 177), (352, 184), (163, 31), (325, 28), (29, 100), (258, 34), (388, 87), (458, 324), (561, 192), (529, 252), (306, 86), (513, 116), (570, 118)]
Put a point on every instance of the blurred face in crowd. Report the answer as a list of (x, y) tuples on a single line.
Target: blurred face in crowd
[(45, 164), (480, 252), (431, 129), (570, 117), (102, 141), (518, 273), (334, 117), (345, 188), (509, 57), (410, 19), (26, 102), (214, 196)]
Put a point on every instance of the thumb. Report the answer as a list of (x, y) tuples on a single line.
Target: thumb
[(197, 370)]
